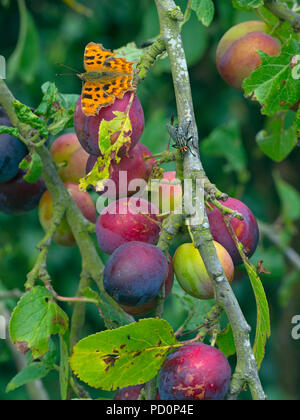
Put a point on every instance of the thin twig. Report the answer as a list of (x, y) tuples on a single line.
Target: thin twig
[(270, 233)]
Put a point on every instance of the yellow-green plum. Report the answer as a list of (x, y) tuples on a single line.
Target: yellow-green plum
[(84, 202), (237, 55), (191, 273), (70, 157)]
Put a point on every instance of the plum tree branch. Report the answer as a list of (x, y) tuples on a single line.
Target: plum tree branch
[(91, 262), (283, 12), (246, 370)]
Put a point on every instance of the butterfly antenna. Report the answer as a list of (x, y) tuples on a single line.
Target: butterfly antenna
[(64, 74), (68, 67)]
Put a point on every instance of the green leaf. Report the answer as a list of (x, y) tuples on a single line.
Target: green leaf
[(197, 309), (30, 373), (129, 355), (273, 84), (121, 129), (131, 52), (34, 167), (290, 199), (26, 116), (278, 141), (35, 319), (50, 93), (12, 131), (205, 10), (225, 342), (56, 108), (297, 123), (263, 325), (49, 359), (247, 4), (226, 142), (24, 60), (111, 313)]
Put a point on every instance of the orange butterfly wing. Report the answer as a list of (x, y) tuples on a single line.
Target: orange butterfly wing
[(94, 56), (94, 98), (101, 93)]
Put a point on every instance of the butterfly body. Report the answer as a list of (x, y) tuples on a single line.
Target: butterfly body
[(106, 78)]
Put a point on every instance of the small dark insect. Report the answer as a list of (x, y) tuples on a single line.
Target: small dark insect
[(183, 148), (180, 135)]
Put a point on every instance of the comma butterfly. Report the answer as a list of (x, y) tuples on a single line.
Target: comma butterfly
[(107, 78)]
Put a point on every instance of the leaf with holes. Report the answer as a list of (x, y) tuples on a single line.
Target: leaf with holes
[(118, 128), (26, 116), (129, 355), (34, 320), (274, 84), (34, 167)]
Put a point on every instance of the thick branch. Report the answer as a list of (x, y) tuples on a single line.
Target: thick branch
[(283, 12), (246, 370)]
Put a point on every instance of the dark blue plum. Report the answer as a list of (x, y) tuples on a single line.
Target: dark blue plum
[(195, 372), (12, 152), (18, 196), (135, 273)]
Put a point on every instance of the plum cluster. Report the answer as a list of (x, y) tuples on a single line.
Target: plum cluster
[(128, 228)]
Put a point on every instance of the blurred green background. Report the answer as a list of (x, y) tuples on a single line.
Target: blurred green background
[(228, 124)]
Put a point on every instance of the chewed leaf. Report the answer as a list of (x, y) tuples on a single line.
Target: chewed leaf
[(119, 129), (34, 166), (56, 108), (274, 84), (26, 116), (12, 131), (35, 319), (129, 355)]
